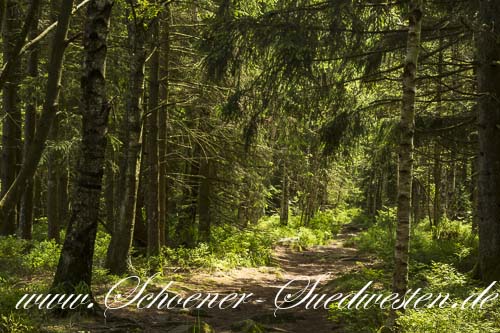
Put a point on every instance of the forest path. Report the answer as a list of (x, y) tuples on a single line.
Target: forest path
[(323, 263), (314, 263)]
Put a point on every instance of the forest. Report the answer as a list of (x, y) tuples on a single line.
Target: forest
[(244, 150)]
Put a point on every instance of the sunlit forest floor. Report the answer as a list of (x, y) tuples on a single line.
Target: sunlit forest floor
[(264, 282), (351, 247)]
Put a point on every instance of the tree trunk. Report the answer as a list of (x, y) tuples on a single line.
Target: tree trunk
[(3, 9), (488, 75), (117, 258), (152, 202), (11, 130), (109, 189), (474, 193), (284, 195), (53, 160), (206, 171), (52, 185), (439, 191), (11, 63), (415, 202), (27, 201), (13, 194), (406, 128), (75, 262), (62, 194), (162, 127), (186, 226)]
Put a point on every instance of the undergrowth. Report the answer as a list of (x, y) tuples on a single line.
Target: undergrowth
[(231, 247), (440, 259), (27, 266)]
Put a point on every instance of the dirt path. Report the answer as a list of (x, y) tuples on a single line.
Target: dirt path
[(309, 265), (264, 282)]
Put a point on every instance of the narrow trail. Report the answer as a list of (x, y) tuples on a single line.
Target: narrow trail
[(311, 264), (265, 282)]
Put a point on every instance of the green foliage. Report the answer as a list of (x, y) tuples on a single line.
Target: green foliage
[(447, 320), (359, 320), (332, 220), (44, 255), (379, 239), (229, 249), (10, 260), (15, 323), (444, 278), (36, 256), (456, 244), (232, 247), (436, 257), (11, 291), (101, 247), (452, 241)]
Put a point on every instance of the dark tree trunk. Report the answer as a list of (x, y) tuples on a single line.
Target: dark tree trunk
[(11, 63), (12, 121), (488, 74), (152, 202), (28, 169), (162, 128), (38, 207), (3, 9), (62, 195), (474, 193), (186, 228), (284, 206), (109, 189), (54, 224), (416, 202), (75, 262), (117, 259), (27, 201), (206, 171), (439, 188)]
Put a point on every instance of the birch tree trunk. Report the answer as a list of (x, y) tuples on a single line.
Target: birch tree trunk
[(488, 75), (406, 128), (75, 262)]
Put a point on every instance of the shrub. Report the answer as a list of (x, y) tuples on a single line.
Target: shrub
[(44, 255)]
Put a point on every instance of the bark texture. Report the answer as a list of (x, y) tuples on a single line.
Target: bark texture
[(488, 75), (26, 209), (407, 129), (152, 202), (12, 195), (204, 200), (75, 262), (121, 242), (162, 126), (11, 123)]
